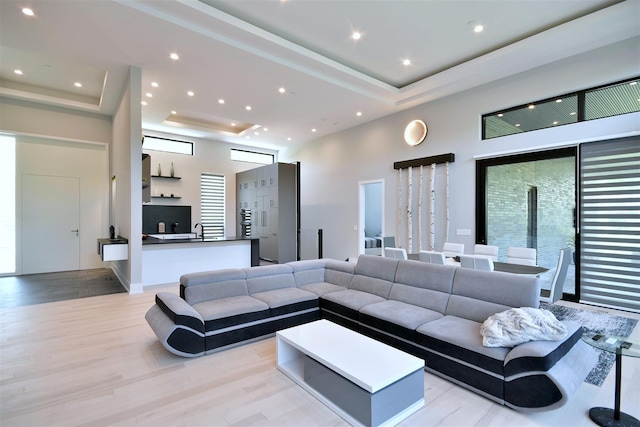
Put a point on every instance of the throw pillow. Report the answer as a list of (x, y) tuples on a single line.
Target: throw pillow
[(519, 325)]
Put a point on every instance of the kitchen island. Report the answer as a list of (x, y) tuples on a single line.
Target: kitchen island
[(165, 260)]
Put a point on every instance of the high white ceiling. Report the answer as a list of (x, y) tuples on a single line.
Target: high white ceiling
[(244, 51)]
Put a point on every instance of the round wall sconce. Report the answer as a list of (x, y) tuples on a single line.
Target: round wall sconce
[(415, 132)]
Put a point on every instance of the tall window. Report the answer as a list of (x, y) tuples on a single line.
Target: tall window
[(212, 205), (610, 223), (8, 210)]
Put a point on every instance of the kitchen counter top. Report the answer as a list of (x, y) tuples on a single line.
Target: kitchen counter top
[(165, 260), (155, 241)]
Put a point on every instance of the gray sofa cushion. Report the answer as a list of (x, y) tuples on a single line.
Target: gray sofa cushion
[(476, 295), (378, 267), (322, 288), (280, 297), (226, 312), (403, 314), (269, 277), (371, 285), (352, 299), (208, 285), (308, 271), (339, 272)]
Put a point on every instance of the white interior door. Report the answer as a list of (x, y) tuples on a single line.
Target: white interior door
[(50, 223)]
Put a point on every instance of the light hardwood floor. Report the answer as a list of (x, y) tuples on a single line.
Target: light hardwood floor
[(95, 361)]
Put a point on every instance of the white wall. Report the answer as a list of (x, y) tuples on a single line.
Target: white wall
[(209, 157), (87, 162), (126, 167), (62, 142), (329, 176)]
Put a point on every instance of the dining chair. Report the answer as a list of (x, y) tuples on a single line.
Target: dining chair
[(555, 291), (452, 249), (432, 257), (488, 250), (477, 262), (523, 256), (396, 253), (389, 241)]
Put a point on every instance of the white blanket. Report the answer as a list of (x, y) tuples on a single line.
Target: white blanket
[(519, 325)]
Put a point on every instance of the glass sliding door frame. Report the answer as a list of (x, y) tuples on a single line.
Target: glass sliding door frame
[(482, 203)]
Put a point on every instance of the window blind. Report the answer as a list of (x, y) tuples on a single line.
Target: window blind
[(610, 223), (212, 205)]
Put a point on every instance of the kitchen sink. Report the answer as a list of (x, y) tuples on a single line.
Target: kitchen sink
[(175, 236)]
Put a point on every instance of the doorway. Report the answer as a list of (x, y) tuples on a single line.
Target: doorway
[(370, 217), (50, 223)]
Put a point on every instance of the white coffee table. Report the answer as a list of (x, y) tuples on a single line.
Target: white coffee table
[(363, 380)]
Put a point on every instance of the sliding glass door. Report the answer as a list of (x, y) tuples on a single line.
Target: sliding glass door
[(529, 201)]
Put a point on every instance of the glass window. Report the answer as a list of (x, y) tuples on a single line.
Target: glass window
[(590, 104), (8, 211), (546, 114), (610, 223), (613, 100), (251, 157), (212, 203), (167, 145)]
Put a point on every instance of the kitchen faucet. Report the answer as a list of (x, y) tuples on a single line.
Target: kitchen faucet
[(201, 229), (174, 226)]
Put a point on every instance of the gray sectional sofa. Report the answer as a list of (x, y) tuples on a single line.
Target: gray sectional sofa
[(431, 311)]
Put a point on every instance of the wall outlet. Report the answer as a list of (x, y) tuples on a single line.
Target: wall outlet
[(355, 228), (463, 232)]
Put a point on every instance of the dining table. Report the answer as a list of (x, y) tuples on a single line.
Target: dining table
[(505, 267)]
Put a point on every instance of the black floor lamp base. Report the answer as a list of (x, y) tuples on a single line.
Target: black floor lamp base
[(604, 417)]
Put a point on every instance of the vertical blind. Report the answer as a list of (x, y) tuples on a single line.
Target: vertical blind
[(610, 223), (212, 205)]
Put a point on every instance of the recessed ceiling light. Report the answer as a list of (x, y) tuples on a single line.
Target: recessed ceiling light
[(77, 84), (190, 93), (531, 107), (256, 133), (358, 114), (313, 130), (282, 90), (27, 11), (500, 115), (558, 100), (174, 112), (220, 101), (406, 62), (174, 56), (149, 95), (356, 35), (143, 102), (154, 84), (478, 28), (248, 108), (555, 123), (265, 129), (517, 125), (572, 113), (233, 124), (289, 139), (18, 72)]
